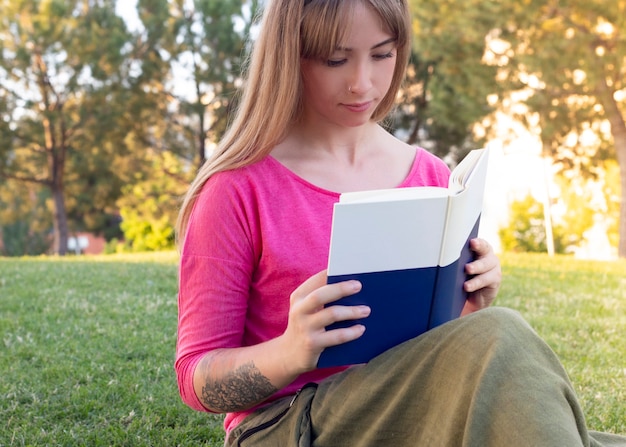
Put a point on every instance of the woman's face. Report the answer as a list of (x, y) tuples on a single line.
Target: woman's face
[(346, 89)]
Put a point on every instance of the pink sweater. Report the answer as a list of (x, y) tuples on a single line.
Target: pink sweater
[(255, 234)]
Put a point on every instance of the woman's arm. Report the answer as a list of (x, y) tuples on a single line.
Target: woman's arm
[(235, 379)]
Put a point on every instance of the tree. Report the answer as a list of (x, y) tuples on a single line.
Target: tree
[(565, 60), (215, 51), (569, 61), (526, 230), (149, 207), (190, 55), (448, 83), (201, 45), (62, 93)]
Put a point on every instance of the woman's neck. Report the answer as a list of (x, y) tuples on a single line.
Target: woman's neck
[(346, 145), (358, 159)]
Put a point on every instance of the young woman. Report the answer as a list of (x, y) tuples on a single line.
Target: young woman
[(255, 229)]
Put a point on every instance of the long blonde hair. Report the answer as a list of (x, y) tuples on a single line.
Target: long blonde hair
[(271, 100)]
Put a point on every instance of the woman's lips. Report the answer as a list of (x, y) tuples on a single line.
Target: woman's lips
[(358, 107)]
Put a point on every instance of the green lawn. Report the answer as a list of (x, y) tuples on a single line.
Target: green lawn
[(88, 346)]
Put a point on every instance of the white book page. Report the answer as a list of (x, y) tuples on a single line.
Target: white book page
[(465, 209), (378, 195), (384, 236), (461, 175)]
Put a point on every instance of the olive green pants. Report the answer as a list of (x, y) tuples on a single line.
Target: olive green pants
[(483, 380)]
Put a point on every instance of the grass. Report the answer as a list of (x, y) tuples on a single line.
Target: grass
[(88, 346), (579, 308)]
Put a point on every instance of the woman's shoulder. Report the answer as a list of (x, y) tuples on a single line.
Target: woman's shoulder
[(427, 170), (430, 160), (232, 196), (244, 177)]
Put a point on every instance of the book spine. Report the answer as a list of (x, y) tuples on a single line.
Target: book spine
[(449, 296)]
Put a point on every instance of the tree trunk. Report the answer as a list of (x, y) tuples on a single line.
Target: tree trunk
[(56, 167), (620, 147), (201, 138), (60, 222), (618, 130)]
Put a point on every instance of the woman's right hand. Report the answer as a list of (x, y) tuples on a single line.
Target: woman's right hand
[(270, 366), (306, 336)]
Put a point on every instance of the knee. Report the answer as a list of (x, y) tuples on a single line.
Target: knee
[(502, 340), (499, 325), (498, 318)]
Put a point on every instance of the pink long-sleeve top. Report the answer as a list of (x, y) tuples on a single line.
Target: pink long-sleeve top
[(254, 235)]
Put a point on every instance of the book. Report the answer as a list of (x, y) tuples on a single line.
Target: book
[(408, 247)]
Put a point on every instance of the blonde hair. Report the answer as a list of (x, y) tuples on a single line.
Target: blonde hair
[(271, 100)]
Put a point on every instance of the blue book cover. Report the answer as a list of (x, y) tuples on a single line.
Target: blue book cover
[(408, 247)]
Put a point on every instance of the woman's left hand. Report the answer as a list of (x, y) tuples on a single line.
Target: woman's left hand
[(486, 274)]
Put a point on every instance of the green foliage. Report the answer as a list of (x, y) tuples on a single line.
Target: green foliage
[(146, 236), (63, 90), (149, 206), (569, 60), (88, 346), (563, 61), (526, 230), (204, 39), (612, 196), (24, 221), (83, 100), (447, 81), (18, 239)]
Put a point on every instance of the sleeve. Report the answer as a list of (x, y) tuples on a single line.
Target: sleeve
[(216, 266)]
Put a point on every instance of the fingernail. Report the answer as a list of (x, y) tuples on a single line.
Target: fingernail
[(355, 285)]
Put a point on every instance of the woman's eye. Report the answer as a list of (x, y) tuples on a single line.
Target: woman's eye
[(383, 56), (335, 62)]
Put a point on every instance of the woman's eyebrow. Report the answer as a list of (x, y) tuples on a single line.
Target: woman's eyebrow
[(378, 45), (384, 42)]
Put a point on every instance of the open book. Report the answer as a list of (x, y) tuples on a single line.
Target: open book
[(408, 247)]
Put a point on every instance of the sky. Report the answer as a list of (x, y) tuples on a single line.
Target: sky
[(128, 10)]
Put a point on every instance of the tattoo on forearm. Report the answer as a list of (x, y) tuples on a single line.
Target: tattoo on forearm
[(239, 390)]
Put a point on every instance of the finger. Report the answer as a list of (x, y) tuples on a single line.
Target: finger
[(314, 282), (474, 284), (320, 297), (338, 336), (485, 261), (480, 246), (489, 279), (337, 313), (482, 265), (330, 293)]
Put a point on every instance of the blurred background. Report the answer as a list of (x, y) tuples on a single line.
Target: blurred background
[(108, 108)]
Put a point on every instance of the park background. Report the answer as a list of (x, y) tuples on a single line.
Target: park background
[(107, 109)]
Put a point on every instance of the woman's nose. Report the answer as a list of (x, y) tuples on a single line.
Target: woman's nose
[(361, 80)]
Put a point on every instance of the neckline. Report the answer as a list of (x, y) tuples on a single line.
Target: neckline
[(293, 175)]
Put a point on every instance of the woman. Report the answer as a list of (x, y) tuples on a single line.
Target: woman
[(255, 227)]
